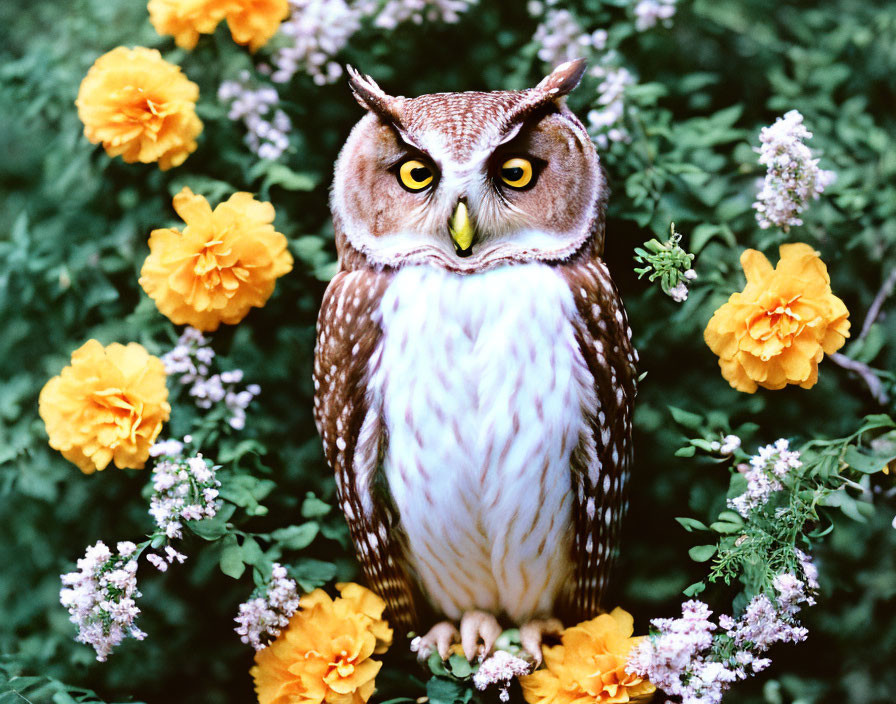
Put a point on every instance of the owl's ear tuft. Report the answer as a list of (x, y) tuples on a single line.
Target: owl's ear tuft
[(371, 97), (563, 79)]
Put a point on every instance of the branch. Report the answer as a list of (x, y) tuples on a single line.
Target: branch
[(874, 311), (865, 372)]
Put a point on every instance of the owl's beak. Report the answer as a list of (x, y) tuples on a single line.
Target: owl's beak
[(461, 230)]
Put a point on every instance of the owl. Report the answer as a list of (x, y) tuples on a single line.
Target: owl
[(474, 374)]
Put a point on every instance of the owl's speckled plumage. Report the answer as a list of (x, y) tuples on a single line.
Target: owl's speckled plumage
[(476, 409)]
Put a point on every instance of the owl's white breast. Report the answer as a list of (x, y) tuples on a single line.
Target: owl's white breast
[(481, 386)]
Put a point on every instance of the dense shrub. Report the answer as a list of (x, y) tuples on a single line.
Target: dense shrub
[(73, 237)]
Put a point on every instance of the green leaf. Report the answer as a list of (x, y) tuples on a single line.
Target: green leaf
[(215, 527), (731, 517), (436, 665), (689, 420), (688, 451), (251, 552), (695, 589), (296, 537), (231, 560), (277, 174), (691, 524), (459, 666), (311, 574), (441, 690), (877, 420), (313, 507), (702, 553), (866, 464)]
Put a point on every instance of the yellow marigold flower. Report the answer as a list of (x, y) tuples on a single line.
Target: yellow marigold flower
[(254, 22), (223, 262), (251, 22), (140, 107), (589, 665), (185, 20), (323, 655), (777, 329), (361, 600), (109, 405)]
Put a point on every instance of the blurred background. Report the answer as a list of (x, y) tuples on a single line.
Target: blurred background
[(73, 235)]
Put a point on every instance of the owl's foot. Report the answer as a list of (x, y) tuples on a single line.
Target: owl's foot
[(440, 638), (533, 632), (476, 626)]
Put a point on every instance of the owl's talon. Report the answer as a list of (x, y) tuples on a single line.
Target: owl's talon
[(532, 633), (440, 638), (476, 626)]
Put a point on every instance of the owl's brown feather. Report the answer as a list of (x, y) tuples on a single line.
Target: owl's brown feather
[(348, 337), (601, 462)]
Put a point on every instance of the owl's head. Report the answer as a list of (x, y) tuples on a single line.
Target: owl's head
[(468, 181)]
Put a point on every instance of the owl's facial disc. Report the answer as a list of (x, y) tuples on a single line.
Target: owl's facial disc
[(469, 181)]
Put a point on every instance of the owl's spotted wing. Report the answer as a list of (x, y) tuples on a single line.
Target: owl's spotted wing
[(348, 338), (601, 462)]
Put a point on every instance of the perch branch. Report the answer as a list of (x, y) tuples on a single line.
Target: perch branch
[(863, 370), (874, 311), (866, 373)]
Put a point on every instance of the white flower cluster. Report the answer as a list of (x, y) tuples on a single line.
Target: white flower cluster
[(649, 12), (315, 31), (267, 126), (161, 563), (682, 658), (561, 38), (767, 468), (810, 572), (765, 622), (184, 489), (500, 669), (394, 12), (727, 446), (191, 360), (100, 597), (605, 120), (793, 176), (679, 292), (260, 620)]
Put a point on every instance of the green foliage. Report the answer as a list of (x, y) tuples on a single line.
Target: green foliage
[(756, 547), (73, 234), (665, 261)]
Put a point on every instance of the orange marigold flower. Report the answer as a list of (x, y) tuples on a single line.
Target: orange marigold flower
[(109, 405), (589, 665), (185, 20), (777, 329), (140, 107), (251, 22), (223, 262), (323, 655), (254, 22)]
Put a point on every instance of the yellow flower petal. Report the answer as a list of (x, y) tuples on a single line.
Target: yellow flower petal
[(139, 107), (323, 655), (185, 20), (224, 262), (756, 266), (589, 666), (776, 331), (107, 406), (254, 22)]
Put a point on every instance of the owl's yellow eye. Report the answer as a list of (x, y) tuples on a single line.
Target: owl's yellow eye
[(517, 172), (414, 175)]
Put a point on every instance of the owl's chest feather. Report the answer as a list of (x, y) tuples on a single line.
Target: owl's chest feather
[(480, 383)]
